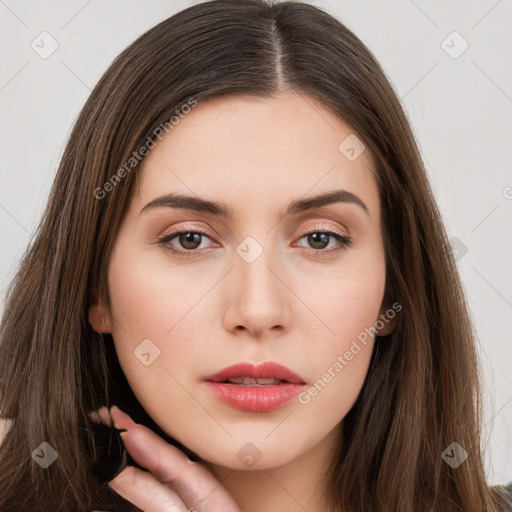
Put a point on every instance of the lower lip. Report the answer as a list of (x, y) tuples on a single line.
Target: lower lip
[(254, 398)]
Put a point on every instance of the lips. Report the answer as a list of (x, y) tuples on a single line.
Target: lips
[(268, 370), (262, 388)]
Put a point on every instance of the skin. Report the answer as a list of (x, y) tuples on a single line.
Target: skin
[(299, 307)]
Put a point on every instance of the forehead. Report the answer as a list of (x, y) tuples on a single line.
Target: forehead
[(288, 146)]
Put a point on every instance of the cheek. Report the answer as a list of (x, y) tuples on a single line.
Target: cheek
[(350, 308), (341, 356), (148, 300), (343, 351), (345, 300), (347, 306), (169, 306), (155, 323)]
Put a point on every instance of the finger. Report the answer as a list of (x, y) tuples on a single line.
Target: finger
[(95, 417), (146, 492), (103, 411), (101, 416), (195, 484)]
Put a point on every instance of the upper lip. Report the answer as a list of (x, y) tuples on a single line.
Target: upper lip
[(266, 370)]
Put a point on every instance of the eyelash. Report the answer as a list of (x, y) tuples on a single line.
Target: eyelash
[(344, 241)]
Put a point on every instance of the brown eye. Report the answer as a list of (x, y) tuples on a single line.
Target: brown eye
[(188, 241), (319, 240)]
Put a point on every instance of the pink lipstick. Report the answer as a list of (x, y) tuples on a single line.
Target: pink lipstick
[(255, 388)]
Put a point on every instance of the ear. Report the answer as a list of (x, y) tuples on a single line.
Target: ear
[(388, 315), (99, 317), (385, 315)]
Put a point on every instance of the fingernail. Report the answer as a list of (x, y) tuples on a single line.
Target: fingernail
[(103, 410), (124, 420), (95, 417), (99, 415), (114, 407)]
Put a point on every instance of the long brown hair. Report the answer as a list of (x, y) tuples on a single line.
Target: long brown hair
[(422, 391)]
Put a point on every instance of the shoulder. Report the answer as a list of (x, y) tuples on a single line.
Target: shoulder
[(506, 489)]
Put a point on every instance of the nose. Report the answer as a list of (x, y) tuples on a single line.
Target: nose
[(259, 299)]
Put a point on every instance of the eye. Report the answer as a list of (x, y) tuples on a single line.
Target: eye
[(319, 240), (188, 239), (191, 241)]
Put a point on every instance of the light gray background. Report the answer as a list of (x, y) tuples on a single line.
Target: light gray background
[(460, 109)]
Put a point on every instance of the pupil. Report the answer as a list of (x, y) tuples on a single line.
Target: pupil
[(190, 238), (319, 238)]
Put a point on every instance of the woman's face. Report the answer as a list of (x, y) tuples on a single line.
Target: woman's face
[(252, 287)]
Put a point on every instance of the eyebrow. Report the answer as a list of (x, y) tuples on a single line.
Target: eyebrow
[(180, 201)]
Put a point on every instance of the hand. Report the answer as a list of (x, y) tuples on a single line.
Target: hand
[(173, 482)]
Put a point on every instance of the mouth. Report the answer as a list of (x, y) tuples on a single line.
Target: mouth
[(248, 374), (251, 388), (248, 381)]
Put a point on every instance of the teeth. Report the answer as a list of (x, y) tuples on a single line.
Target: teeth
[(248, 381)]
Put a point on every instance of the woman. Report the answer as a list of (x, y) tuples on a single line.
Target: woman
[(242, 251)]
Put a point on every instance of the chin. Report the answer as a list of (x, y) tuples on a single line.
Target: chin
[(249, 456)]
